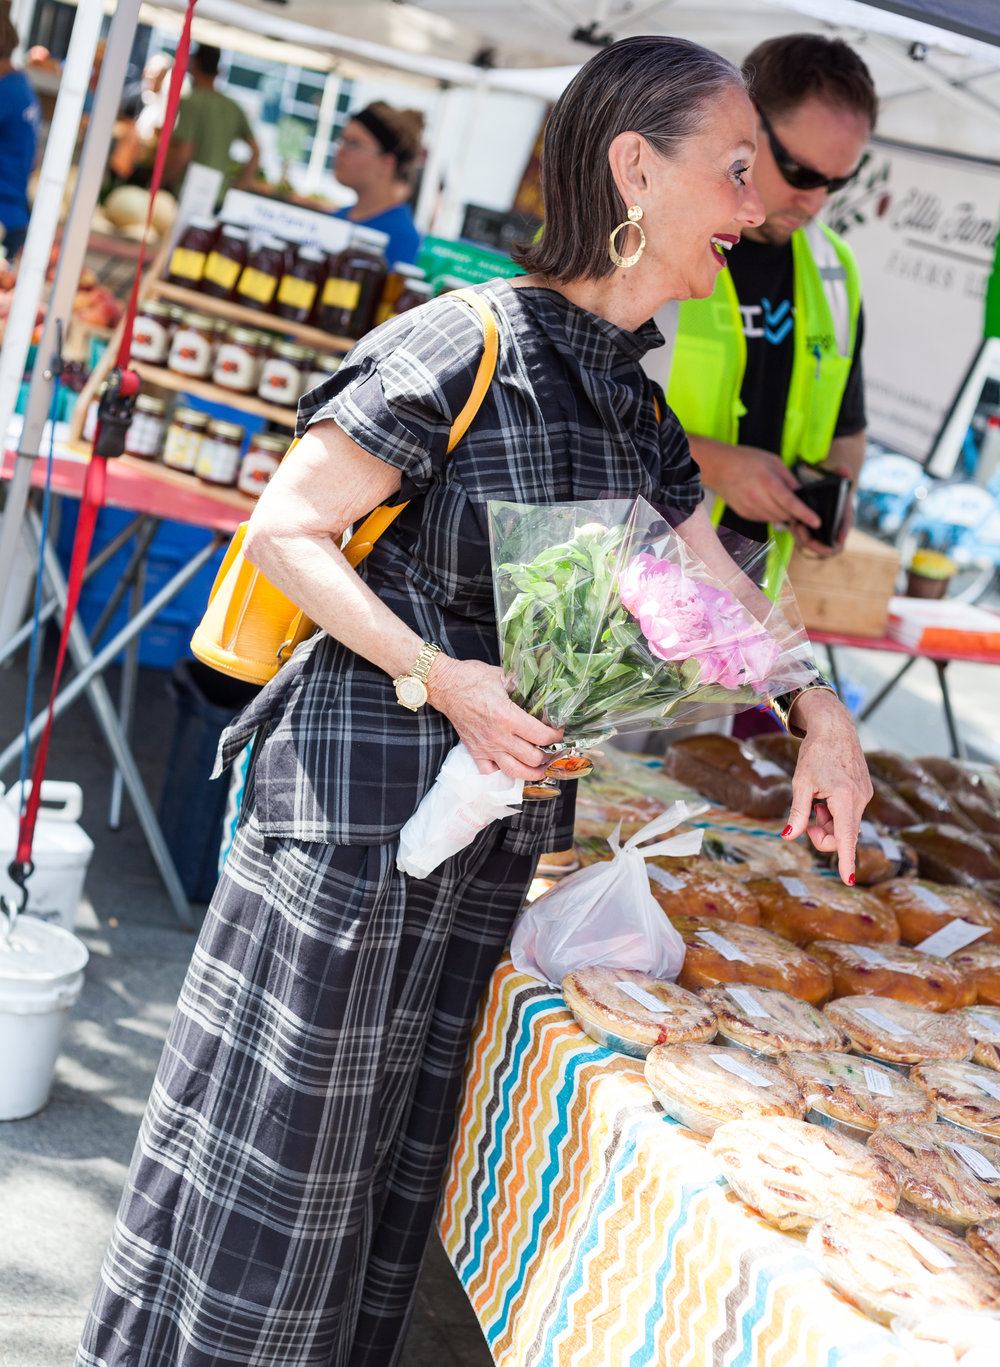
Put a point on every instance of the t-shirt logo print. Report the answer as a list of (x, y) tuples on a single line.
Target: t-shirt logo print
[(778, 320)]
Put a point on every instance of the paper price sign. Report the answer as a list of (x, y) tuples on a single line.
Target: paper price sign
[(747, 1002), (734, 1066), (644, 998), (666, 880), (928, 1251), (793, 886), (975, 1161), (955, 935), (875, 1017), (877, 1082), (722, 946)]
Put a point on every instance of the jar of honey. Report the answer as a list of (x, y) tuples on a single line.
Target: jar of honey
[(262, 458), (193, 347), (395, 283), (225, 262), (188, 258), (239, 360), (300, 284), (154, 324), (184, 437), (283, 377), (354, 285), (219, 458), (145, 433), (259, 280)]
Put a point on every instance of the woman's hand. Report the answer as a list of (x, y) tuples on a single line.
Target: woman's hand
[(831, 787), (497, 733)]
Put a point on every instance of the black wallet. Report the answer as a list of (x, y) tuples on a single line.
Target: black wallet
[(826, 494)]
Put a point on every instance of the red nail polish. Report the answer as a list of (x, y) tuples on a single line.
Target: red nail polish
[(786, 832), (851, 880)]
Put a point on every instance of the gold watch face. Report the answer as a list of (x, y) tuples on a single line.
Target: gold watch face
[(410, 691)]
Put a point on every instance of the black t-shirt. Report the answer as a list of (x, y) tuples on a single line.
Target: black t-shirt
[(764, 280)]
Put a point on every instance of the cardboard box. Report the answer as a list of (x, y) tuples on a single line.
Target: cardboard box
[(850, 592)]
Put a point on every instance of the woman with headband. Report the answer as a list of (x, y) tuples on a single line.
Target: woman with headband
[(378, 153)]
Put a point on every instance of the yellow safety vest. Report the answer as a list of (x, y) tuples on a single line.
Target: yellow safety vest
[(710, 355)]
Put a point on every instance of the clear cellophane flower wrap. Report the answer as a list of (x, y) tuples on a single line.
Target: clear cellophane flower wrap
[(609, 622)]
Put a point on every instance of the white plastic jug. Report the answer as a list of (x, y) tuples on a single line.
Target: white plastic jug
[(61, 851)]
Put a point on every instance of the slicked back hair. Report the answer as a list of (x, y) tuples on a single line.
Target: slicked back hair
[(783, 73), (659, 87)]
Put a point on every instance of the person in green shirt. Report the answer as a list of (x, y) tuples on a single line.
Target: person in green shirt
[(208, 123)]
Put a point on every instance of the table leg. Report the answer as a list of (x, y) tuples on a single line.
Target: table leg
[(143, 540), (130, 669), (886, 689), (957, 749)]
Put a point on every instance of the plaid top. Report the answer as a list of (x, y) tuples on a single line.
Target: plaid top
[(570, 415)]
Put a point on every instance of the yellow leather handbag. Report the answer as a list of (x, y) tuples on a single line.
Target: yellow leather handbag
[(250, 628)]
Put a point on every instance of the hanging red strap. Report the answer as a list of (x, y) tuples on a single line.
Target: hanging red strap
[(122, 385)]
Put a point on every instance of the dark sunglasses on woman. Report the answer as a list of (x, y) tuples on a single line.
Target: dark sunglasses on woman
[(798, 176)]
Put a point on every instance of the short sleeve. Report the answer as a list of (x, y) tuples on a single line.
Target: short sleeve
[(399, 390), (681, 487), (183, 131)]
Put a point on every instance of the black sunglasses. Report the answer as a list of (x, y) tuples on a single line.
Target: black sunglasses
[(798, 176)]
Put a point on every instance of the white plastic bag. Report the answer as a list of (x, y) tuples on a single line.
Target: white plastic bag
[(458, 806), (606, 914)]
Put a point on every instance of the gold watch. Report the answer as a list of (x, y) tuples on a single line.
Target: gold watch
[(411, 688)]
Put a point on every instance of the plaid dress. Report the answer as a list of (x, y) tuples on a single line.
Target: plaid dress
[(288, 1167)]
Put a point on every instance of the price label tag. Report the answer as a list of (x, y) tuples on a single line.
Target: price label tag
[(877, 1082), (875, 1017), (793, 886), (766, 768), (644, 998), (867, 831), (747, 1002), (928, 1251), (889, 847), (975, 1161), (722, 946), (929, 897), (733, 1065), (670, 881), (955, 935), (990, 1087), (871, 956), (987, 1022)]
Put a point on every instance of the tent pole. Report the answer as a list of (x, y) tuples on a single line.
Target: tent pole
[(41, 232)]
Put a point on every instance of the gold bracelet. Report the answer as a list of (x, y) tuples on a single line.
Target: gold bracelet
[(783, 704)]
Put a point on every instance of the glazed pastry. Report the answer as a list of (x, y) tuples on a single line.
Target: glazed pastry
[(947, 854), (984, 1239), (794, 1174), (630, 1011), (807, 907), (702, 1085), (922, 907), (981, 965), (885, 808), (701, 890), (746, 954), (983, 1024), (878, 857), (855, 1092), (937, 1182), (729, 773), (890, 1265), (779, 748), (893, 971), (897, 1032), (963, 1093), (770, 1022)]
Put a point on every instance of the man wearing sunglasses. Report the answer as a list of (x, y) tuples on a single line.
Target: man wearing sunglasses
[(767, 372)]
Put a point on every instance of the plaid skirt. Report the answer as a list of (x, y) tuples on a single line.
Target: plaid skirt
[(289, 1164)]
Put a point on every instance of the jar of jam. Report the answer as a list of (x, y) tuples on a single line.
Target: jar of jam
[(354, 285), (283, 377), (258, 283), (184, 437), (260, 462), (193, 347), (219, 458), (299, 286), (188, 258), (416, 292), (225, 262), (323, 367), (151, 333), (239, 359), (395, 283), (144, 434)]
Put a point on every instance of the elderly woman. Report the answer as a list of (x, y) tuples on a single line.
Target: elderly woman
[(287, 1172)]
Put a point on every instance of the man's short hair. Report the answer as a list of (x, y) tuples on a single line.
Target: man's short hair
[(206, 60), (783, 73)]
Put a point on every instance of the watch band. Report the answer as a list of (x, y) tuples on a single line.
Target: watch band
[(781, 706), (422, 664)]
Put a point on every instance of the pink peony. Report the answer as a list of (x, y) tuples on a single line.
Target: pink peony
[(683, 619)]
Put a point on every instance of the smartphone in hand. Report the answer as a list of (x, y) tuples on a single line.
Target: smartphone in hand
[(826, 493)]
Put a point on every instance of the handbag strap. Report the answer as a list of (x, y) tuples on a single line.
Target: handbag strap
[(383, 517)]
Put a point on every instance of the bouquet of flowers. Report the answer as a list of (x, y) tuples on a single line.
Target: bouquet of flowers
[(609, 622)]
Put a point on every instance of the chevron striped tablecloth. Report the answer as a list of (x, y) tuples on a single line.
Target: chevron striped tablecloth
[(591, 1231)]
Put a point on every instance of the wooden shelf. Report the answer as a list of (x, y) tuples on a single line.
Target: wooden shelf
[(254, 318), (160, 474), (246, 403)]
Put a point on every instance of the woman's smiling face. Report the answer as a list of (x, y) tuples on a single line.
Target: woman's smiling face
[(701, 199)]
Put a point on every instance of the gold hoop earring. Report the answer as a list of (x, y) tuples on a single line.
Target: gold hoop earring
[(634, 215)]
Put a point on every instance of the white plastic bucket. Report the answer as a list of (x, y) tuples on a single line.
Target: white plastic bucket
[(61, 851), (41, 974)]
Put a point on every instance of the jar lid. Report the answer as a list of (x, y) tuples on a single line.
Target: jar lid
[(152, 308), (370, 237), (273, 243), (197, 320), (231, 230), (409, 272), (312, 254), (245, 336), (419, 287), (292, 352), (194, 417), (330, 363), (208, 225), (267, 441), (149, 403), (230, 430), (264, 339)]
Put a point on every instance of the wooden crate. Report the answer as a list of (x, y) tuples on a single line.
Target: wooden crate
[(849, 592)]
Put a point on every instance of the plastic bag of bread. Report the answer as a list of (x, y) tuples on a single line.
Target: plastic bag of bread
[(923, 908), (605, 913), (725, 771), (948, 854), (981, 965), (806, 907)]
